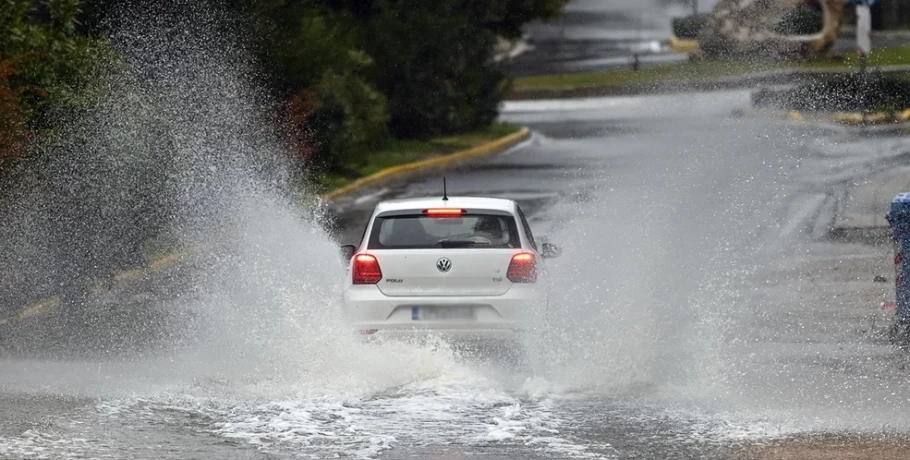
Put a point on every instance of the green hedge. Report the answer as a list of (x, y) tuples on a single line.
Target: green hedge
[(846, 93), (689, 27), (802, 20)]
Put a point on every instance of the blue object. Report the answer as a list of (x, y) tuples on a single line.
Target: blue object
[(860, 2), (899, 220)]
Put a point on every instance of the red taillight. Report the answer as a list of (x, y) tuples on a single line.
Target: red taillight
[(366, 269), (523, 268), (444, 212)]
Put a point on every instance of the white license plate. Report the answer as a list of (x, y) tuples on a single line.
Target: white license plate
[(434, 313)]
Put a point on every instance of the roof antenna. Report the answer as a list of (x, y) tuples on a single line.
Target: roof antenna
[(445, 191)]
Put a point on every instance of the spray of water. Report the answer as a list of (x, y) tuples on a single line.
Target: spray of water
[(184, 147), (186, 143)]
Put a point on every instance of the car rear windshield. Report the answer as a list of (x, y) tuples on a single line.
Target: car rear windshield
[(473, 230)]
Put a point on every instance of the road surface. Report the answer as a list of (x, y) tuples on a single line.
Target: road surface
[(699, 312), (598, 35)]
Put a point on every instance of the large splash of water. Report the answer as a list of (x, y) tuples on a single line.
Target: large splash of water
[(184, 147)]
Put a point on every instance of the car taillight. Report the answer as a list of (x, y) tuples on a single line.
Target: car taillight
[(444, 212), (366, 269), (523, 268)]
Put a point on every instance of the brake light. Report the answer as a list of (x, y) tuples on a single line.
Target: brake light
[(366, 269), (444, 212), (523, 268)]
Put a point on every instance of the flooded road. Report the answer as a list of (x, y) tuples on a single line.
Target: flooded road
[(699, 309)]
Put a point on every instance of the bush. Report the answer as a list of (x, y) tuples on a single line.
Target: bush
[(802, 20), (436, 67), (54, 61), (849, 93), (347, 120), (689, 27), (314, 59), (13, 120)]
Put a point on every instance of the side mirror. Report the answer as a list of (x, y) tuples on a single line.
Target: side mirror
[(550, 251), (347, 251)]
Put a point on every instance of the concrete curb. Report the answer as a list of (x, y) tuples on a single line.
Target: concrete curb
[(838, 118), (681, 45), (50, 304), (397, 172)]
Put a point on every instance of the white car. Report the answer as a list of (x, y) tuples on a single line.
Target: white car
[(455, 267)]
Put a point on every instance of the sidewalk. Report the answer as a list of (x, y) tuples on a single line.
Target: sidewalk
[(862, 209)]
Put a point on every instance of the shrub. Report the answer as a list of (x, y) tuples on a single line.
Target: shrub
[(436, 67), (13, 118), (801, 20), (689, 27), (347, 119), (849, 92), (54, 59)]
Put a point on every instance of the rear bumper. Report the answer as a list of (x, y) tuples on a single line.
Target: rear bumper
[(502, 316)]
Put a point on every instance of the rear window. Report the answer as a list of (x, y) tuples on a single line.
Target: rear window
[(424, 232)]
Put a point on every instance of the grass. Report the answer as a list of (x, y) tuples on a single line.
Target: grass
[(398, 152), (896, 55), (701, 70)]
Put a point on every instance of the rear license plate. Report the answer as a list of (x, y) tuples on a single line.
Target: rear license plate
[(454, 313)]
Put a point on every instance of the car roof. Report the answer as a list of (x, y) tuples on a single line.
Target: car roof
[(495, 204)]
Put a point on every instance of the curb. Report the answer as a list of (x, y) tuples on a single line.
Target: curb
[(681, 45), (423, 165), (838, 118), (50, 304)]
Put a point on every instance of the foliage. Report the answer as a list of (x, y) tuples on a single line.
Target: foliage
[(347, 119), (801, 20), (351, 70), (13, 121), (689, 27), (501, 17), (312, 57), (436, 67), (848, 92), (55, 59), (42, 62), (434, 60)]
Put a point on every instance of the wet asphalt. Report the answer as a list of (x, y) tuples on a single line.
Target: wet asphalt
[(701, 306), (600, 35)]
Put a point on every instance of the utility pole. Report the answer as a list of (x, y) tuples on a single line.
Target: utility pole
[(562, 42), (863, 33), (694, 4), (863, 45)]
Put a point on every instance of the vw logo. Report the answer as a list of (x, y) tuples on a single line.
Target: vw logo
[(444, 265)]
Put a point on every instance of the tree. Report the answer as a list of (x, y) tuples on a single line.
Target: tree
[(13, 118), (435, 66), (54, 61), (434, 60)]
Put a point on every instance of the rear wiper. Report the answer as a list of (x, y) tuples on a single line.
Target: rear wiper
[(459, 244)]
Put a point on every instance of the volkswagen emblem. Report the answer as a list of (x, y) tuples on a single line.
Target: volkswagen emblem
[(444, 265)]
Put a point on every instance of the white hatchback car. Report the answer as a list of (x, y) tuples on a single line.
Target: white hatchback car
[(462, 267)]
